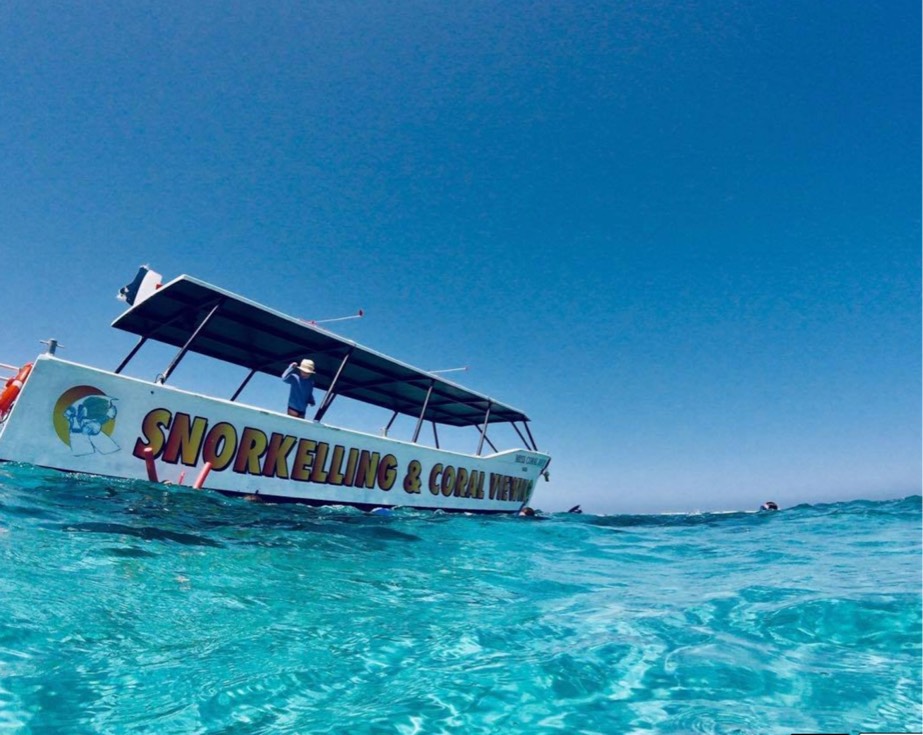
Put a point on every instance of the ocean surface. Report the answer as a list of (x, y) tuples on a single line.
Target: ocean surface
[(127, 607)]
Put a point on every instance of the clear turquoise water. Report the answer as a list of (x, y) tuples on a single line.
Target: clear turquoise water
[(133, 608)]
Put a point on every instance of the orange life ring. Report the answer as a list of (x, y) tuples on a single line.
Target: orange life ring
[(12, 388)]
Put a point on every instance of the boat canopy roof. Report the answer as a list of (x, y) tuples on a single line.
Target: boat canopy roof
[(242, 332)]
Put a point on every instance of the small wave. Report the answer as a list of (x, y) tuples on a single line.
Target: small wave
[(146, 533)]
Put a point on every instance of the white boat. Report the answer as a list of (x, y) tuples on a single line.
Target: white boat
[(75, 418)]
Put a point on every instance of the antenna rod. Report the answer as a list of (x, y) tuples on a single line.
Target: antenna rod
[(334, 319), (450, 370)]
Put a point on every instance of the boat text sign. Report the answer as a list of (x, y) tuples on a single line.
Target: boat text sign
[(77, 418)]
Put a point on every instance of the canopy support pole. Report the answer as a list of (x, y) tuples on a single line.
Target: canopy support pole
[(130, 355), (435, 435), (429, 392), (530, 442), (384, 432), (484, 430), (521, 436), (162, 378), (332, 390), (534, 443), (243, 385)]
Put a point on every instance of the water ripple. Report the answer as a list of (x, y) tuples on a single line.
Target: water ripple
[(125, 607)]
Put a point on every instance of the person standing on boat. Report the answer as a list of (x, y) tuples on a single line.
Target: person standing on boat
[(300, 378)]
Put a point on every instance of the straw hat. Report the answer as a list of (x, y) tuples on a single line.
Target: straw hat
[(307, 366)]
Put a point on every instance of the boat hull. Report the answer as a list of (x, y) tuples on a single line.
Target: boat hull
[(76, 418)]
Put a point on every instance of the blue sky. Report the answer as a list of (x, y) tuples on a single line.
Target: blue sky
[(683, 237)]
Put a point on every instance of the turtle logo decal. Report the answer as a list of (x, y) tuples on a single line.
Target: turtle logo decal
[(84, 419)]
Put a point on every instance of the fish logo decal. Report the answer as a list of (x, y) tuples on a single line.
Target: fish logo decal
[(84, 419)]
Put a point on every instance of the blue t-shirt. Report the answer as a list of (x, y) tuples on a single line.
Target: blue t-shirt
[(301, 391)]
